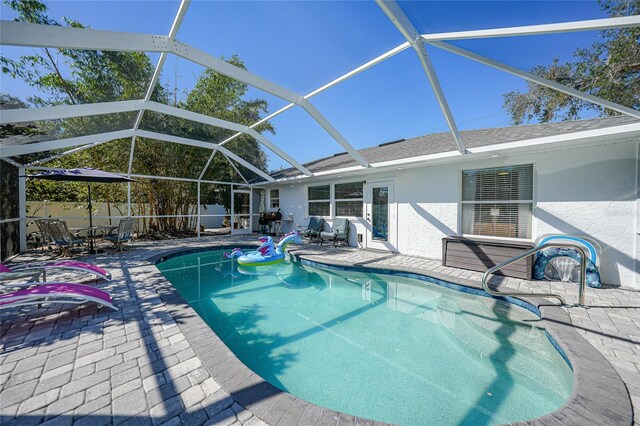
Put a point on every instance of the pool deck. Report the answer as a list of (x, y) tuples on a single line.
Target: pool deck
[(155, 362)]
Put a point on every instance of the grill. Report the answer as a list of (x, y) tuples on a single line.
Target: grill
[(267, 218)]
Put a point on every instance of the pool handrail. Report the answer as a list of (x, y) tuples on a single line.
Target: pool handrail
[(583, 275)]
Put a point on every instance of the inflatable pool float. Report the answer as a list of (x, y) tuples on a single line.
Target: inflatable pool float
[(267, 254), (279, 269), (563, 263)]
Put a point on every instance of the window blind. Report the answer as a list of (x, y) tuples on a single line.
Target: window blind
[(319, 192), (319, 200), (348, 199), (498, 201), (498, 184)]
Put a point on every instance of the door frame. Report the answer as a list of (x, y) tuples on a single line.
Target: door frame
[(233, 215), (392, 242)]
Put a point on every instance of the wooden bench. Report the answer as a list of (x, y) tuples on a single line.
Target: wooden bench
[(480, 254)]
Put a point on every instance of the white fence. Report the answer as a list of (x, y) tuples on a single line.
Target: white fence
[(212, 216)]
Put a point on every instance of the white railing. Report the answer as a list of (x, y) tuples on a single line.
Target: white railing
[(232, 219), (583, 274), (16, 219)]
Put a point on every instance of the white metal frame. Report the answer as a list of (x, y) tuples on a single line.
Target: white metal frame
[(34, 35), (563, 27), (70, 111), (233, 215), (401, 21), (173, 32), (22, 34), (536, 79)]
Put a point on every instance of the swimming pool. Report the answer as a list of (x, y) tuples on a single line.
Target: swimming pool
[(384, 347)]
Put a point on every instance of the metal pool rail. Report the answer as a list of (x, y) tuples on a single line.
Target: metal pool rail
[(583, 270)]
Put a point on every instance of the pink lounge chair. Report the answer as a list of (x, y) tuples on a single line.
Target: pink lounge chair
[(33, 271), (56, 293)]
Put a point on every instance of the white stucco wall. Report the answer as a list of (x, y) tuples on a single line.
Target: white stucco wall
[(579, 191), (293, 201), (212, 221), (593, 192)]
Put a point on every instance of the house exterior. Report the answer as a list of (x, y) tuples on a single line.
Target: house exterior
[(517, 183)]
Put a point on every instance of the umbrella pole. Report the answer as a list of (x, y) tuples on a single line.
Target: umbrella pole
[(90, 222)]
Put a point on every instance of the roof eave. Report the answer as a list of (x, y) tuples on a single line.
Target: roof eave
[(587, 137)]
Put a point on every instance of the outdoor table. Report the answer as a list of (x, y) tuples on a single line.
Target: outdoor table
[(92, 236), (282, 223)]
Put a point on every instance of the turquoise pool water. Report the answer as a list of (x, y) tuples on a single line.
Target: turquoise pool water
[(388, 348)]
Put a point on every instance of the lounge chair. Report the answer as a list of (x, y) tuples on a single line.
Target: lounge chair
[(313, 230), (59, 233), (339, 231), (35, 270), (56, 293), (122, 234)]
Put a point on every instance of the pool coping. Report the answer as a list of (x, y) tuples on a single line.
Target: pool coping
[(599, 395)]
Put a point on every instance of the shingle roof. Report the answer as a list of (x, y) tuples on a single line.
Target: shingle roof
[(443, 142)]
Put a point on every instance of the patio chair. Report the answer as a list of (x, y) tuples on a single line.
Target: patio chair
[(313, 230), (56, 293), (62, 238), (35, 270), (339, 231), (122, 234), (43, 228)]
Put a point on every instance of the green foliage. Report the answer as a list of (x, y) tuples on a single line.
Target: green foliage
[(68, 76), (220, 96), (15, 130), (609, 69)]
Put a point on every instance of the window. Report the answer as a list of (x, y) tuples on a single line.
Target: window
[(274, 198), (348, 199), (498, 201), (319, 198), (345, 197)]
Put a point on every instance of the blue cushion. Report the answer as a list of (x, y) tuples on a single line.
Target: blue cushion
[(341, 225), (316, 223), (115, 238), (327, 234)]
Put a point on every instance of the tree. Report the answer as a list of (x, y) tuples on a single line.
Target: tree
[(15, 130), (609, 69), (78, 77), (220, 96)]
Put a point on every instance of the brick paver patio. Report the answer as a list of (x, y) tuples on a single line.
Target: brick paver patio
[(94, 366)]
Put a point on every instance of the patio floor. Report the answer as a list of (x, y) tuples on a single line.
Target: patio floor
[(136, 366)]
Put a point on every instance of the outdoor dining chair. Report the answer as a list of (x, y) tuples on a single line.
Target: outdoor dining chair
[(43, 229), (61, 237), (122, 234)]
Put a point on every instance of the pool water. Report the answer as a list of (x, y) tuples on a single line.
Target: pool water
[(383, 347)]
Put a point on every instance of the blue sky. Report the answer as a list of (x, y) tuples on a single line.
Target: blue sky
[(303, 45)]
